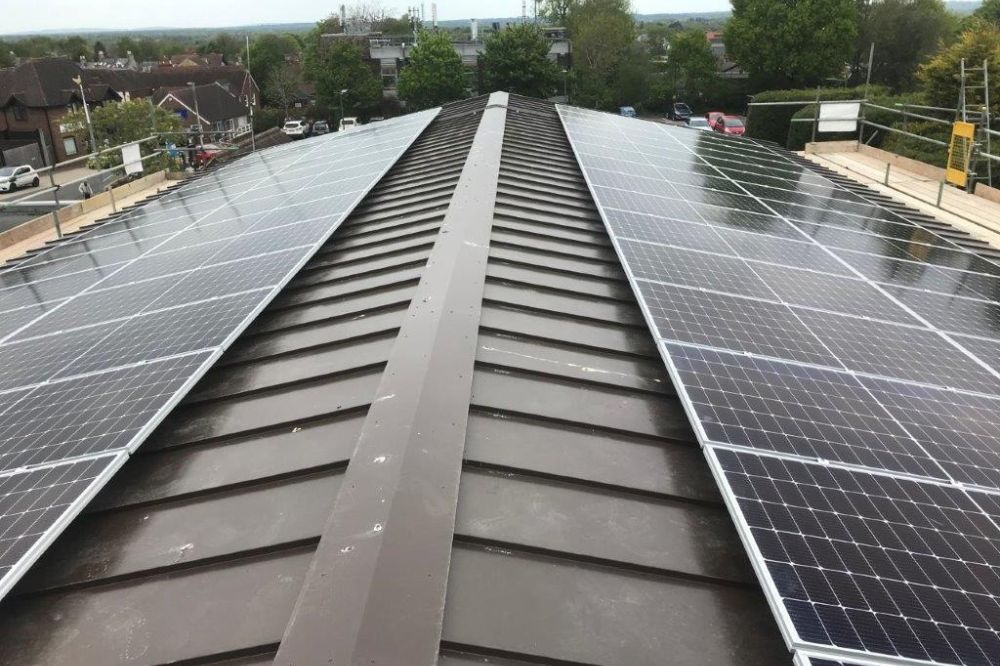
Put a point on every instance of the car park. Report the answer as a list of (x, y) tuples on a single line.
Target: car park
[(297, 129), (13, 178), (679, 111)]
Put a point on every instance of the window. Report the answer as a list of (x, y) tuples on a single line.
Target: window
[(20, 113), (69, 145)]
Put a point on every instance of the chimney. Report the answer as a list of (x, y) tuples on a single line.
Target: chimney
[(474, 27)]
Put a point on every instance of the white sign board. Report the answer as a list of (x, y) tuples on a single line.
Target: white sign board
[(132, 159), (838, 116)]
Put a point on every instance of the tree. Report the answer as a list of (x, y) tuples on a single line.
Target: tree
[(989, 11), (517, 60), (116, 123), (6, 59), (434, 74), (904, 32), (556, 12), (100, 51), (268, 52), (607, 64), (340, 65), (74, 48), (229, 45), (691, 67), (939, 76), (281, 86), (790, 43)]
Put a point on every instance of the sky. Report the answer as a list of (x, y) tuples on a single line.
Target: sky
[(70, 15)]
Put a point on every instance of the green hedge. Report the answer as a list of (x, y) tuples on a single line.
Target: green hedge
[(772, 122)]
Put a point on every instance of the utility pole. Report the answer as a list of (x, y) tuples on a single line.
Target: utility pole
[(78, 80), (342, 108), (197, 113), (250, 102)]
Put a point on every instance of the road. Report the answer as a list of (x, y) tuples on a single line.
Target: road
[(30, 205)]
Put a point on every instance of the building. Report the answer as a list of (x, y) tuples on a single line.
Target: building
[(196, 60), (449, 439), (389, 54), (37, 93), (726, 67), (219, 113)]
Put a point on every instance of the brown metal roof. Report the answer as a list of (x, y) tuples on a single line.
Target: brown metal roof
[(451, 435)]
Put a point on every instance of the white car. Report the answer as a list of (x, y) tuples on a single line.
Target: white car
[(296, 129), (699, 123), (348, 124), (12, 178)]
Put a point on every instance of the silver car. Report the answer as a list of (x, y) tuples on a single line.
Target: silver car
[(12, 178)]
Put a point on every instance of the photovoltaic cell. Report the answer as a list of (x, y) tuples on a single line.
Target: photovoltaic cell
[(902, 352), (36, 504), (91, 414), (850, 413), (801, 410), (872, 563), (692, 269), (730, 322), (101, 335)]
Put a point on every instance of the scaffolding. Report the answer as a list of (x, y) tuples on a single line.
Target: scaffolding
[(974, 107)]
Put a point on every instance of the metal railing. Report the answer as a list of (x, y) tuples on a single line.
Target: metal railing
[(55, 187), (907, 112)]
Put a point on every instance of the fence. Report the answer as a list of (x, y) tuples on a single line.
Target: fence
[(907, 113)]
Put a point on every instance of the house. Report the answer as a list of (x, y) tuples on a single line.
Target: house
[(218, 112), (724, 66), (36, 94), (196, 60)]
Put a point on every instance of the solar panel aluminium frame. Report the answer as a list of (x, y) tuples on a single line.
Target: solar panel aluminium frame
[(803, 658), (37, 549), (787, 628), (675, 375), (121, 455), (774, 598)]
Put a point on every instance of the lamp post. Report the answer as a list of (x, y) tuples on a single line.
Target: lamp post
[(78, 80), (342, 107), (566, 85), (197, 113)]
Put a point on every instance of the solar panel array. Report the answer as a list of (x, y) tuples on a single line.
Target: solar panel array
[(102, 334), (840, 366)]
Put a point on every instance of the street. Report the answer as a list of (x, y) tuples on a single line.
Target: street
[(32, 203)]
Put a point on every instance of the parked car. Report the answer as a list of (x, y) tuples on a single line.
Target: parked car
[(204, 153), (730, 125), (713, 117), (348, 123), (698, 123), (11, 178), (321, 127), (679, 111), (627, 112), (297, 129)]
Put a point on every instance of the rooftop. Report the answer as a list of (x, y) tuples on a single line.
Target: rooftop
[(450, 438)]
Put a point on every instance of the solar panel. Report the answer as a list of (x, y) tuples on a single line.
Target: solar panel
[(102, 334), (36, 504), (867, 562), (840, 366)]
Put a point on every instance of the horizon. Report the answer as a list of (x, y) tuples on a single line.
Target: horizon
[(23, 20)]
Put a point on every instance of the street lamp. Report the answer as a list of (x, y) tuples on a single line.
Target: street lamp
[(197, 113), (342, 106), (78, 80), (566, 85)]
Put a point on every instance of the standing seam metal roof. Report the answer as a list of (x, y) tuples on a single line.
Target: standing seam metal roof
[(586, 526)]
